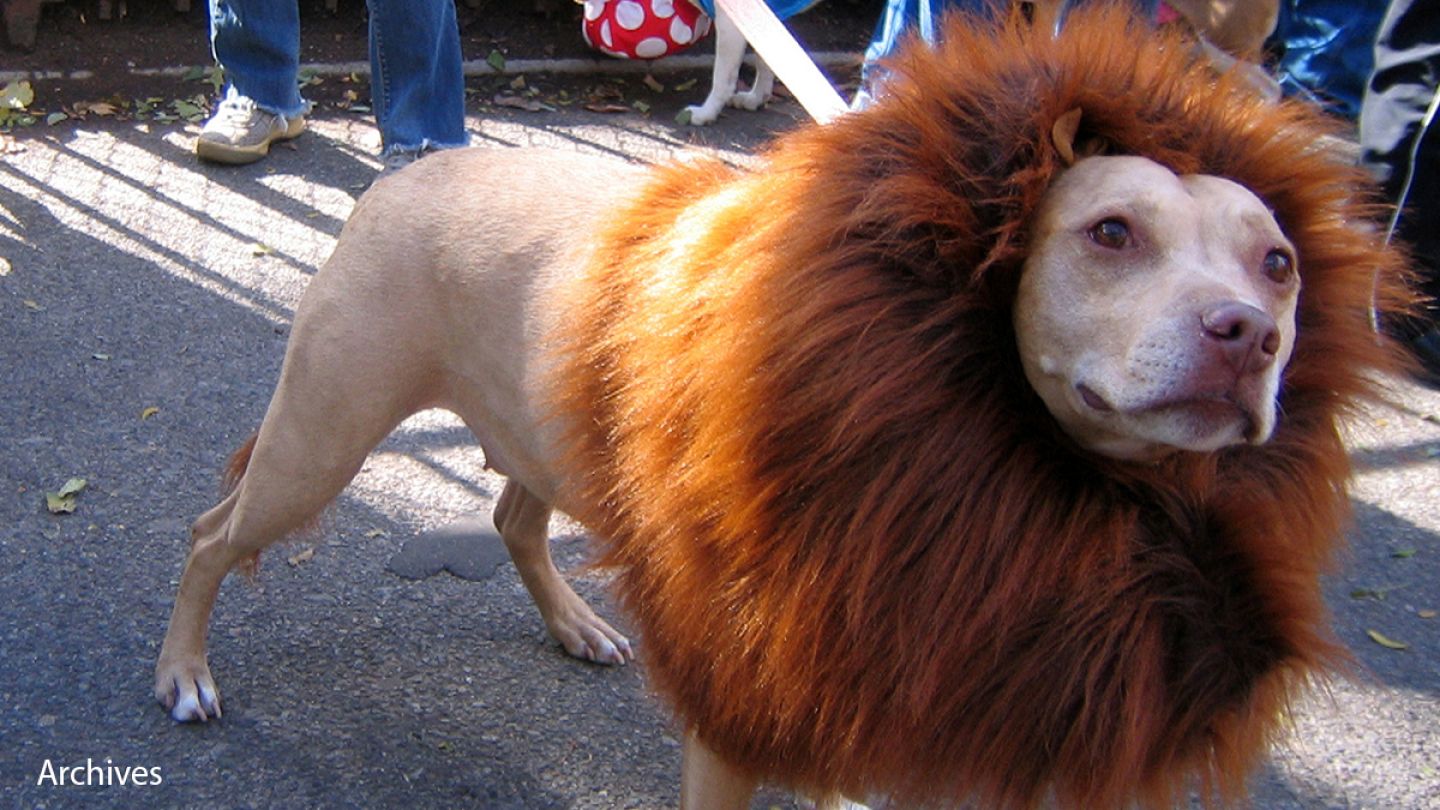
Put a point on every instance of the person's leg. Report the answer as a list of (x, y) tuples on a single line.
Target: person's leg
[(416, 80), (257, 42)]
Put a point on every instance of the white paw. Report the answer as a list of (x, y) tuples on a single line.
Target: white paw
[(702, 115), (749, 100)]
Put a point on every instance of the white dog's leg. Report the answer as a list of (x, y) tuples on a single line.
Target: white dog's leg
[(760, 92), (708, 782), (729, 54), (523, 521)]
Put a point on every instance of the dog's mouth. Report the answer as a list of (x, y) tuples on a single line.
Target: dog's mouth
[(1202, 414)]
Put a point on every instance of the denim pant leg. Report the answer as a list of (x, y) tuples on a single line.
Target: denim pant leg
[(258, 44), (416, 79)]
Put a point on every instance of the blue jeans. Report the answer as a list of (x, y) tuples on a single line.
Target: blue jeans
[(417, 86)]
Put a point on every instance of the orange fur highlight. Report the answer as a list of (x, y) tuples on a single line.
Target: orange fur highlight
[(862, 555), (236, 465)]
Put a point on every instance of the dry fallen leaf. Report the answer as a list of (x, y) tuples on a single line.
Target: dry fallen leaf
[(1426, 614), (149, 412), (16, 96), (63, 501), (1386, 642), (302, 556), (100, 108), (527, 104), (1378, 594)]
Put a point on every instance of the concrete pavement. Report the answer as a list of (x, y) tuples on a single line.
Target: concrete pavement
[(144, 305)]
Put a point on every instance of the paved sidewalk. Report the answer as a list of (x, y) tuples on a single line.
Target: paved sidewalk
[(144, 305)]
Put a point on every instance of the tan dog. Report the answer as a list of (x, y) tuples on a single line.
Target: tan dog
[(458, 315), (934, 463)]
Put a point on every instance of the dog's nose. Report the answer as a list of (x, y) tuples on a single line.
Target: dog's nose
[(1246, 336)]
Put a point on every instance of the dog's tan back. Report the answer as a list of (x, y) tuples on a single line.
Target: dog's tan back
[(469, 248)]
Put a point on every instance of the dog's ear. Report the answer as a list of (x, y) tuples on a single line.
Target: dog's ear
[(1068, 141), (1063, 133)]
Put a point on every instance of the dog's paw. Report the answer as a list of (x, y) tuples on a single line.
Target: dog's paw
[(701, 115), (187, 691), (749, 100), (589, 637), (598, 648)]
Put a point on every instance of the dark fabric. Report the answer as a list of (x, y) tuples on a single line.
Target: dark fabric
[(1325, 50), (1394, 128)]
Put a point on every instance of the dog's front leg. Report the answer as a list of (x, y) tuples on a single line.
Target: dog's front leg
[(708, 782), (729, 54), (523, 520)]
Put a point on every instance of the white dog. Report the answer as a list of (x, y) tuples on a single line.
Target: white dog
[(730, 47)]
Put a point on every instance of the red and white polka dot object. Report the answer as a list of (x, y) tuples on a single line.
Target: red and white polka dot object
[(643, 29)]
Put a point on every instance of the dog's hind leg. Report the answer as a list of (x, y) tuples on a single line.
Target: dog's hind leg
[(523, 520), (760, 91), (327, 414)]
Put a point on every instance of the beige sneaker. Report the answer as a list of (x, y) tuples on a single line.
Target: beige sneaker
[(240, 132)]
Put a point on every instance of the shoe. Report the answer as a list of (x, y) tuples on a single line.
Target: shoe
[(399, 159), (239, 132)]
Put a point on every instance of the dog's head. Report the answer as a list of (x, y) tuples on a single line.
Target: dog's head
[(1156, 311)]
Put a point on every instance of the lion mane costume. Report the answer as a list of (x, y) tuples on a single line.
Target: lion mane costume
[(861, 554)]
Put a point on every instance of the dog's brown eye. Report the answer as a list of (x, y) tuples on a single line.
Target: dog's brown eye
[(1279, 266), (1110, 233)]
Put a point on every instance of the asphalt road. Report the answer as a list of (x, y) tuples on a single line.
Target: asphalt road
[(144, 305)]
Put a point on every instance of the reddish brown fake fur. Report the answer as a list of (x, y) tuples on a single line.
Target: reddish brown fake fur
[(861, 553)]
